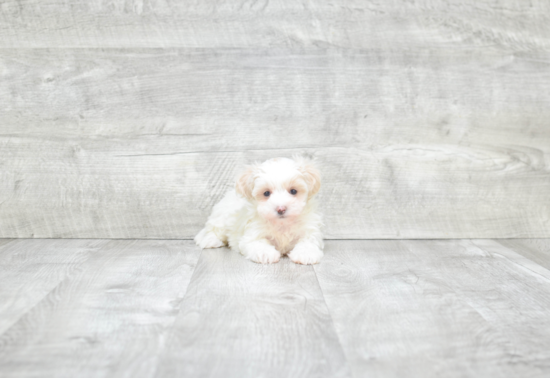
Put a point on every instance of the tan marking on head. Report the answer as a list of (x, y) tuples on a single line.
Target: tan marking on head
[(311, 174), (245, 182)]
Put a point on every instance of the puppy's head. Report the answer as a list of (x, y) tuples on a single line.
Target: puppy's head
[(280, 187)]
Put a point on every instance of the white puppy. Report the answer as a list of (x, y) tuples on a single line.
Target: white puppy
[(271, 212)]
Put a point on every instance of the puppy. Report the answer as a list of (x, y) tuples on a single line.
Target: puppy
[(271, 212)]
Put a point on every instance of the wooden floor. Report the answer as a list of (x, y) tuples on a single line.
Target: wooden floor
[(372, 308)]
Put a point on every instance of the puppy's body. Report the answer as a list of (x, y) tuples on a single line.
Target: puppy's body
[(271, 212)]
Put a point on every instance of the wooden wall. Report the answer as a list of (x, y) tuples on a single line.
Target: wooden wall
[(129, 119)]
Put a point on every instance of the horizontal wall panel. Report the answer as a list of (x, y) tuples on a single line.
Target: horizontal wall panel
[(141, 143), (80, 190), (515, 24)]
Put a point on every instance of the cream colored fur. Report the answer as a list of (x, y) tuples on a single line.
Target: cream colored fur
[(265, 227)]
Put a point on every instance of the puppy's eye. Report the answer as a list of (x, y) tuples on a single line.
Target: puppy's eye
[(267, 193), (293, 191)]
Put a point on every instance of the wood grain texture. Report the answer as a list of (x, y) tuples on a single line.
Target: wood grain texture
[(537, 250), (441, 142), (110, 319), (31, 269), (385, 308), (282, 23), (241, 319), (3, 242), (454, 308)]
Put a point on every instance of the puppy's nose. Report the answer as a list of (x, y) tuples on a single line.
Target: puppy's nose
[(281, 210)]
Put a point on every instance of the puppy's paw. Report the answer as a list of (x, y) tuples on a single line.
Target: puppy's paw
[(306, 254), (208, 239), (262, 253)]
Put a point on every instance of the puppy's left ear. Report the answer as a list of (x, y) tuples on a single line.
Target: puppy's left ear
[(311, 174)]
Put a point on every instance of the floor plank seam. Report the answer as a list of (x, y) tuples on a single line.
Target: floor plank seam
[(29, 310), (170, 328), (535, 268), (333, 324), (45, 295)]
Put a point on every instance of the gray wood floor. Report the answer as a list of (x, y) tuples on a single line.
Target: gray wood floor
[(376, 308)]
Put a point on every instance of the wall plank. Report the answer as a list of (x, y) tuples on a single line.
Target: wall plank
[(142, 143), (129, 119), (282, 23)]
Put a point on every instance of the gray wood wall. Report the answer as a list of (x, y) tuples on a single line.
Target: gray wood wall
[(129, 119)]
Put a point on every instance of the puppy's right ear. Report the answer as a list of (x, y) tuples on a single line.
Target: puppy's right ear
[(245, 182)]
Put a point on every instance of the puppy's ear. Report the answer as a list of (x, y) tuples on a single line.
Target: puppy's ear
[(311, 174), (245, 181)]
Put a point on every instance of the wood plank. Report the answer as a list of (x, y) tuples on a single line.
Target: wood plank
[(142, 143), (240, 319), (273, 24), (500, 251), (437, 308), (537, 250), (31, 269), (111, 319), (3, 242)]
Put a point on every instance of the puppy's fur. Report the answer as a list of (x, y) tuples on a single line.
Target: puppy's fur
[(271, 212)]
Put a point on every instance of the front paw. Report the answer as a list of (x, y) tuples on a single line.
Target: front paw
[(262, 253), (208, 239), (306, 254)]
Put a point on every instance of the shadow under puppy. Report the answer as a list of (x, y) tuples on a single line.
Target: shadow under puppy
[(271, 212)]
